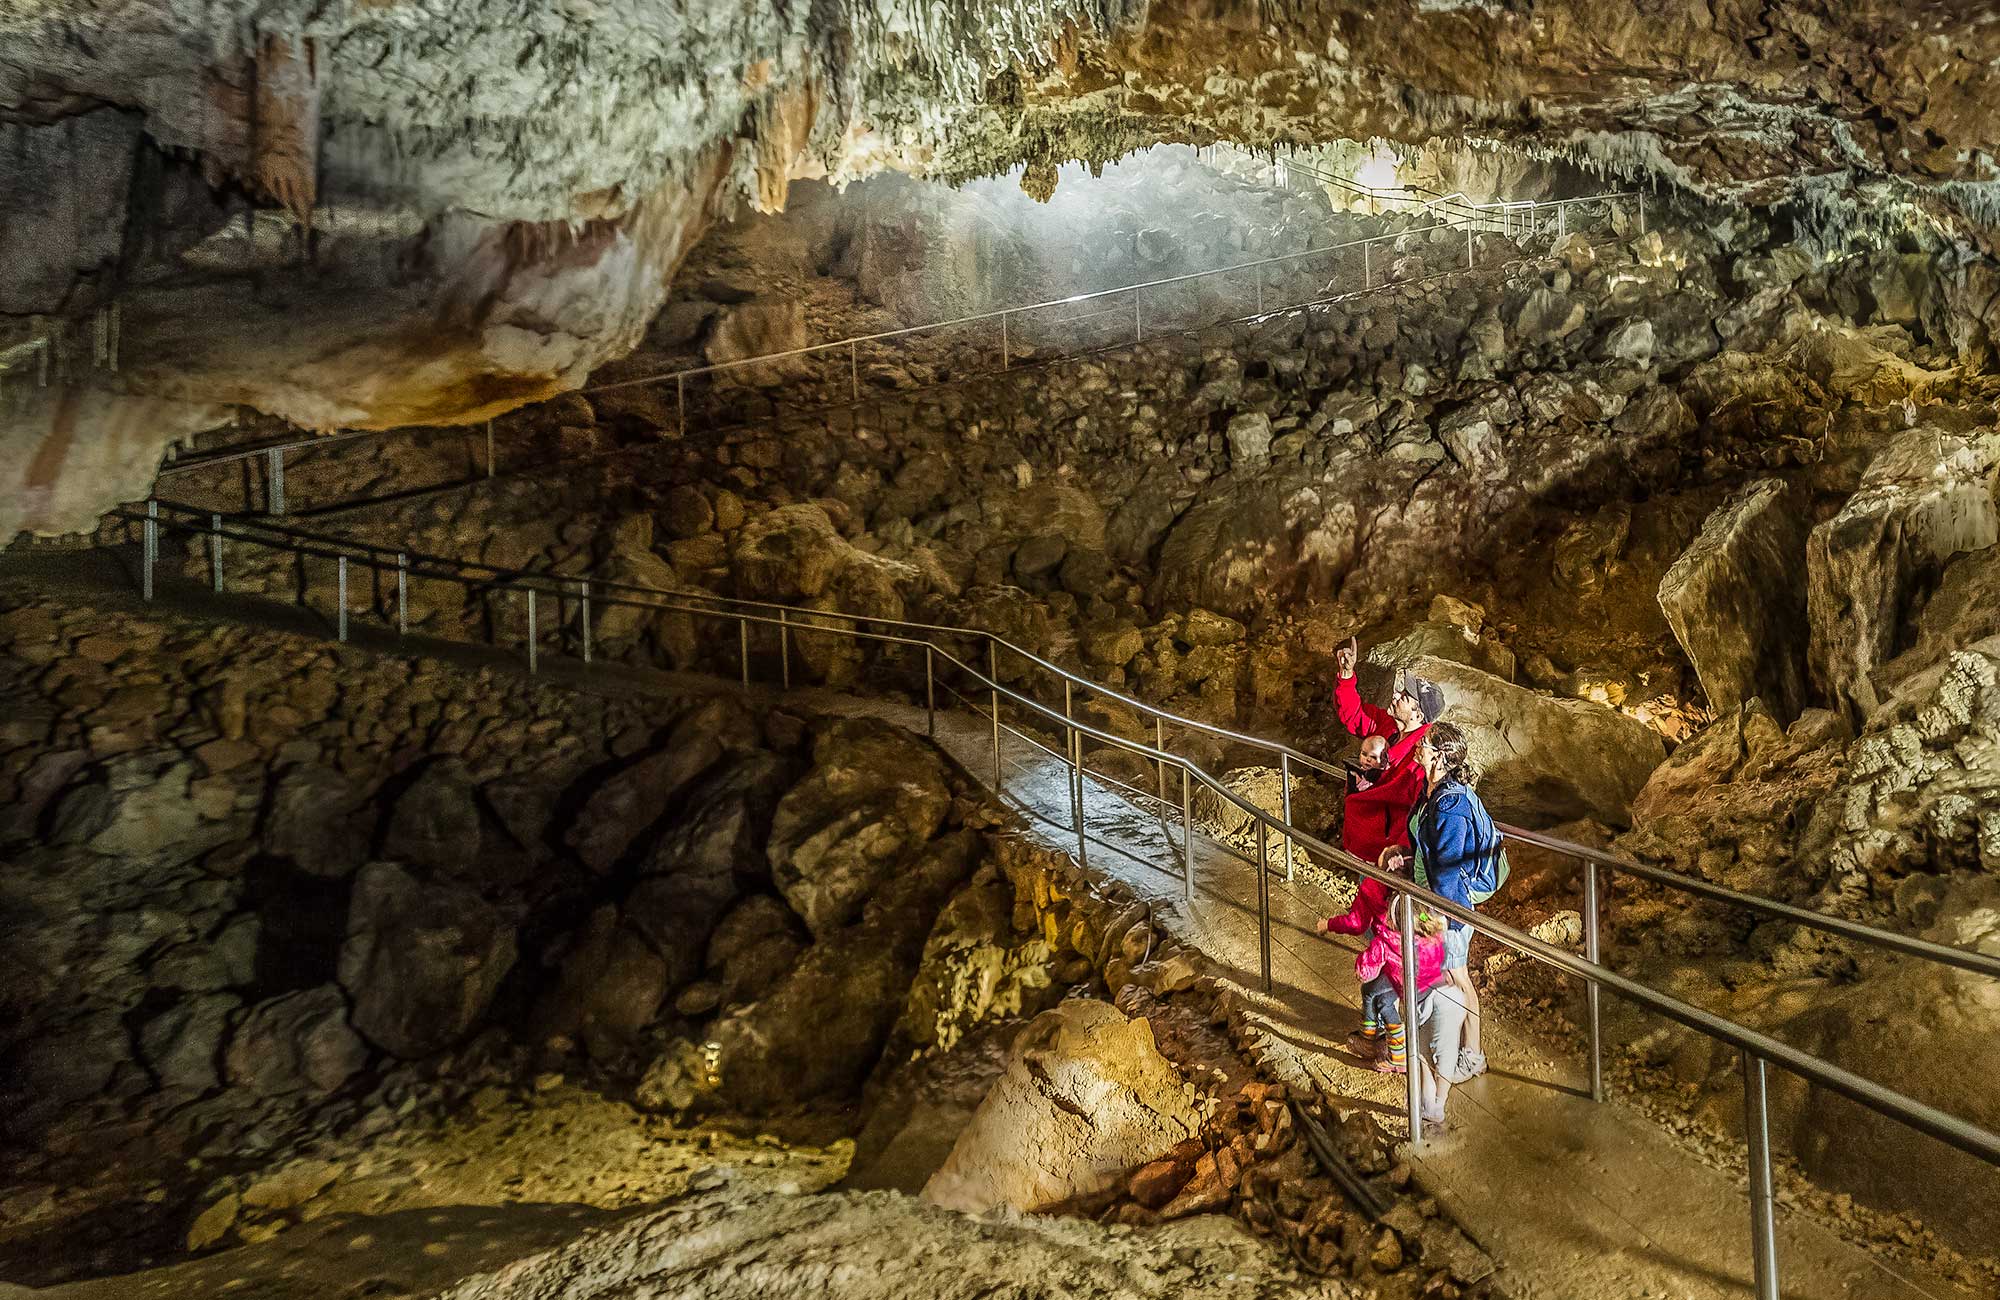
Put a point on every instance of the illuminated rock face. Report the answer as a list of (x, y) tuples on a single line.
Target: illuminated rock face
[(499, 194)]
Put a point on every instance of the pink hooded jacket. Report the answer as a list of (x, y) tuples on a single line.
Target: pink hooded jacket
[(1384, 956)]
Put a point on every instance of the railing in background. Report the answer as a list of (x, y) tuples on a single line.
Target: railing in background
[(1005, 320), (1243, 284), (1756, 1050)]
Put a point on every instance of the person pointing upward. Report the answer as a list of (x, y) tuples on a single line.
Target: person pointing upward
[(1375, 816)]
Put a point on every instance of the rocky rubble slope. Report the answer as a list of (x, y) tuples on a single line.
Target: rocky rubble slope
[(1202, 520)]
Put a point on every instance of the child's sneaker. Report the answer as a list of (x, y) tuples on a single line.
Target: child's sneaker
[(1386, 1064), (1470, 1063), (1389, 1056)]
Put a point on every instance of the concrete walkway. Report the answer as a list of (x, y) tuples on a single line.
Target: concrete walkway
[(1570, 1198)]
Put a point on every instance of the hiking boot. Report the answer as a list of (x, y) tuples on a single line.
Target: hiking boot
[(1364, 1045), (1471, 1064)]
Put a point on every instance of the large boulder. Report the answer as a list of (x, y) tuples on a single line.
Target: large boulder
[(1543, 759), (757, 329), (1086, 1098), (139, 806), (1921, 789), (704, 860), (820, 1029), (296, 1042), (868, 585), (1964, 608), (1736, 601), (874, 793), (611, 983), (1256, 540), (422, 960), (182, 1045), (1926, 497), (629, 801), (1249, 436), (788, 553), (310, 819), (436, 821)]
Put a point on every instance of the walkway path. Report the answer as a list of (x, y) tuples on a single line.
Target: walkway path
[(1571, 1198)]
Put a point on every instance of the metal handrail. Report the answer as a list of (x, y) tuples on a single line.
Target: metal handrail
[(330, 547), (1757, 1050), (1908, 945)]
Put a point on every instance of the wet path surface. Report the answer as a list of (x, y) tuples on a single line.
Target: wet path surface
[(1570, 1197)]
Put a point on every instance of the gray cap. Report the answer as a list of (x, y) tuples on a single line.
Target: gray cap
[(1430, 699)]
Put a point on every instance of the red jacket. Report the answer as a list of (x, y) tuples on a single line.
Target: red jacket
[(1373, 819), (1370, 902)]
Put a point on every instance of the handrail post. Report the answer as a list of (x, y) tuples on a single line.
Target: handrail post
[(532, 638), (743, 649), (1642, 212), (274, 491), (1075, 748), (149, 546), (215, 552), (1285, 786), (340, 596), (1187, 838), (681, 401), (1138, 333), (1592, 995), (1003, 339), (1264, 902), (402, 594), (1562, 220), (1413, 1089), (583, 621), (853, 370), (1757, 1129), (1160, 744), (930, 693), (1260, 288), (993, 676), (1367, 275), (1468, 245), (784, 650)]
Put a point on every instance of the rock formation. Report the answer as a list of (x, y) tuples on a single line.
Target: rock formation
[(1928, 496), (1086, 1097), (1736, 601), (1545, 760)]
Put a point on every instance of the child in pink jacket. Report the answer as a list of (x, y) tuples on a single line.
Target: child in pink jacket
[(1380, 967), (1381, 964)]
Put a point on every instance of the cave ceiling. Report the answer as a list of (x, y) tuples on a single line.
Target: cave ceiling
[(501, 190)]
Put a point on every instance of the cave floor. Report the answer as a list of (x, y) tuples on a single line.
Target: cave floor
[(1570, 1198)]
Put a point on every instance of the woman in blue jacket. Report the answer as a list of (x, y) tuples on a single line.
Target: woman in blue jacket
[(1458, 854)]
